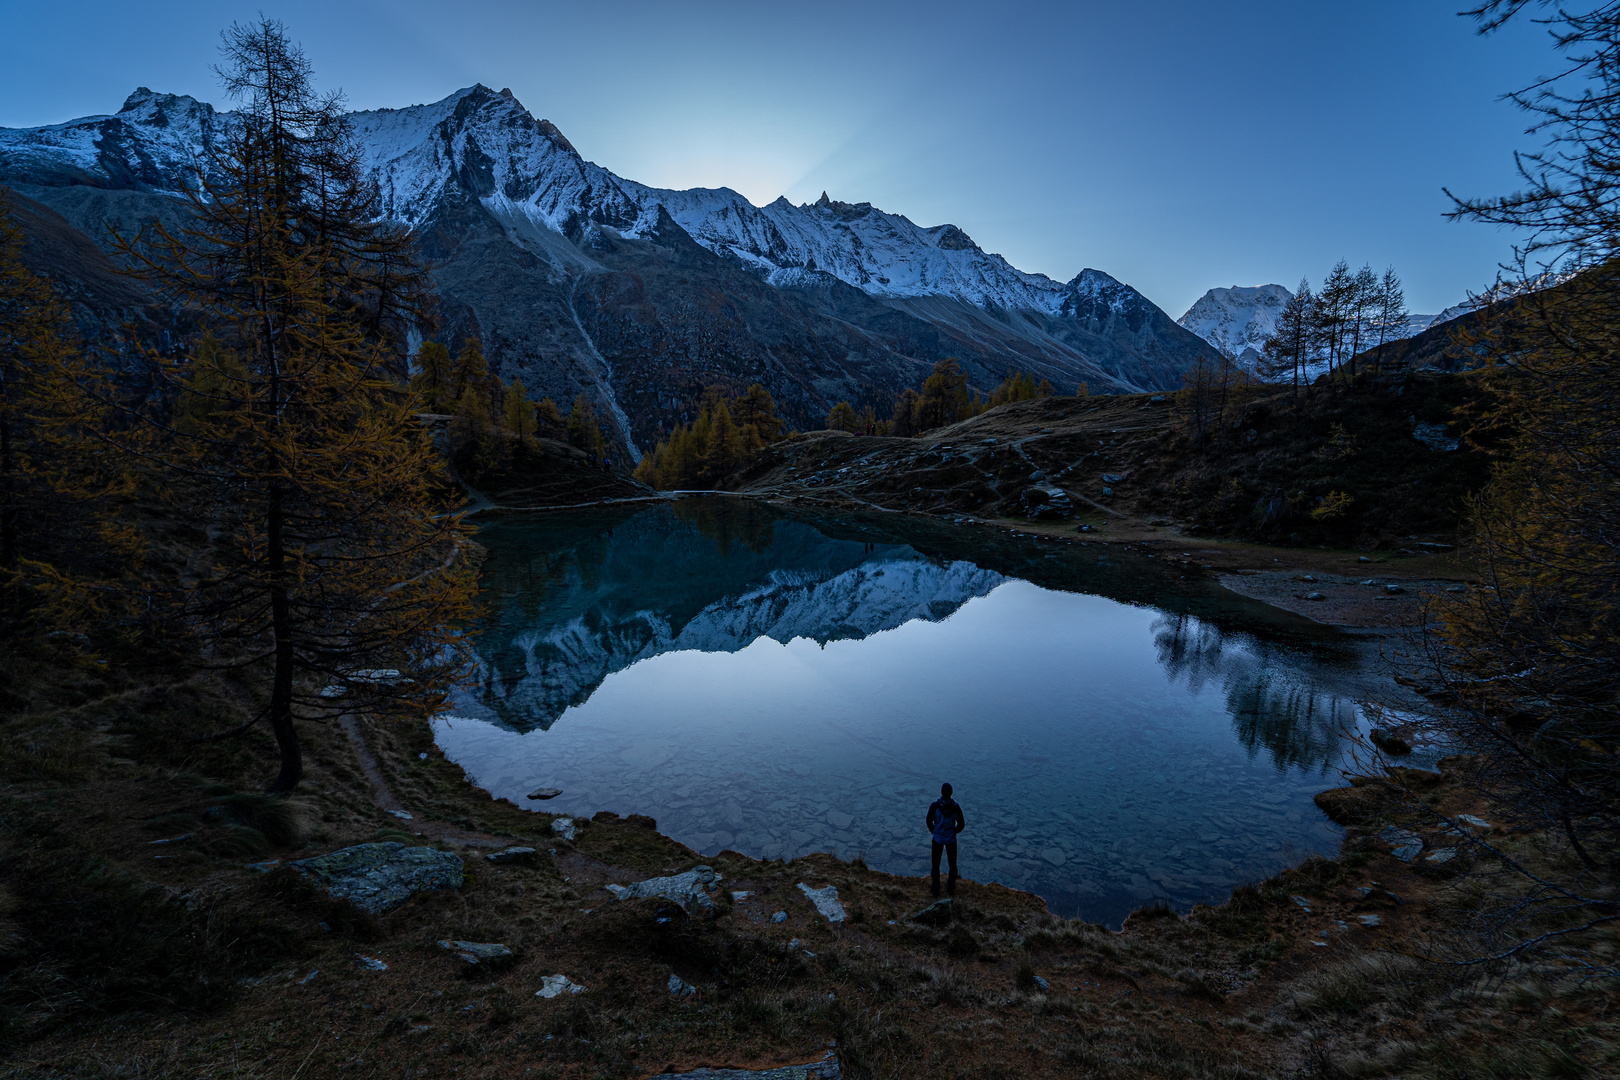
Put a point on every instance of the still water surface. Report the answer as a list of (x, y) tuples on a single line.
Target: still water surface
[(787, 684)]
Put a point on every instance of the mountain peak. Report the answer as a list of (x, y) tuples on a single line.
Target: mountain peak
[(1093, 281), (1238, 319), (144, 98), (950, 238), (141, 96), (504, 98)]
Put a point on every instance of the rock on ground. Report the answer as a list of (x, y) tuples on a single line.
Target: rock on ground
[(690, 890), (826, 1069), (939, 913), (511, 854), (1404, 845), (554, 985), (826, 901), (475, 951), (379, 877)]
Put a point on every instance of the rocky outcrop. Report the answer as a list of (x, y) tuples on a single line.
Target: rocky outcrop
[(377, 878), (690, 890), (825, 900)]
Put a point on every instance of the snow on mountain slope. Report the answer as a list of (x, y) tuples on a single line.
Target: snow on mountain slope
[(564, 664), (1237, 320), (487, 144)]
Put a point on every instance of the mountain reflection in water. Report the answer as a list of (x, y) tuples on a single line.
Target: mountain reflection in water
[(785, 684)]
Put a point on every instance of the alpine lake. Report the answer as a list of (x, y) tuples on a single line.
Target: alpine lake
[(780, 683)]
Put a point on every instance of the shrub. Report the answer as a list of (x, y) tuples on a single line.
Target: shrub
[(1350, 986), (1332, 506), (279, 819)]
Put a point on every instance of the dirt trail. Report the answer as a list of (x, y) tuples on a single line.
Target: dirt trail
[(383, 796)]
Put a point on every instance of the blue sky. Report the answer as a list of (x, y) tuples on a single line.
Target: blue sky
[(1175, 145)]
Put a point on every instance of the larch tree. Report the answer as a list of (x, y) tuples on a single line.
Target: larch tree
[(1363, 310), (433, 379), (944, 397), (842, 417), (328, 562), (469, 371), (584, 433), (1332, 310), (517, 412), (32, 337), (48, 481), (1288, 349), (903, 422), (1532, 655), (1391, 317), (548, 420)]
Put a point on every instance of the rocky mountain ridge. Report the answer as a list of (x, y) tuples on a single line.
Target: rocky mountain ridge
[(581, 281)]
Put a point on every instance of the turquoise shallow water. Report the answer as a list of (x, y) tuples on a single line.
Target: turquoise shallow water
[(782, 685)]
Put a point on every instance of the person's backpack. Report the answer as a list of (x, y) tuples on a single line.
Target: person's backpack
[(942, 817)]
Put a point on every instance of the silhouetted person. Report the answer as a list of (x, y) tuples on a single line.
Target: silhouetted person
[(945, 820)]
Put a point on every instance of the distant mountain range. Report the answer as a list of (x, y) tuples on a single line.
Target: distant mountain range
[(580, 281), (1238, 320)]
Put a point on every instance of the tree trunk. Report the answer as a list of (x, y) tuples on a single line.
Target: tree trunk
[(281, 721), (8, 501)]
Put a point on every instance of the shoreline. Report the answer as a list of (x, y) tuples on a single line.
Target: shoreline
[(1283, 577)]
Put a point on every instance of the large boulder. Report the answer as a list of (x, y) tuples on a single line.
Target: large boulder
[(1045, 501), (690, 890), (379, 877)]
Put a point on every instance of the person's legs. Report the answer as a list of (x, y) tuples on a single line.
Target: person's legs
[(938, 847), (950, 851)]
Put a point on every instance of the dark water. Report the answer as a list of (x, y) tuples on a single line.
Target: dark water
[(787, 684)]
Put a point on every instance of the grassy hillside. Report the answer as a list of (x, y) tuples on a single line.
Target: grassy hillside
[(1265, 470)]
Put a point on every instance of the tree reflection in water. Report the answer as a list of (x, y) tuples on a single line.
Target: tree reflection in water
[(1274, 704)]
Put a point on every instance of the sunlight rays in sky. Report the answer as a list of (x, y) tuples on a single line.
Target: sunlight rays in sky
[(1176, 145)]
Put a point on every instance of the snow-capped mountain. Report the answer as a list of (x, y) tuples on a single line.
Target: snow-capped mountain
[(822, 300), (1239, 319), (563, 664), (521, 167)]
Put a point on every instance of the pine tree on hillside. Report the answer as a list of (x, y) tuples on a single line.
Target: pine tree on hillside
[(40, 366), (1332, 309), (903, 422), (212, 388), (472, 432), (433, 379), (584, 433), (517, 412), (548, 421), (842, 417), (724, 452), (329, 559), (757, 410), (944, 397), (1018, 386), (1391, 312), (1289, 349), (470, 371), (726, 435), (1363, 306)]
